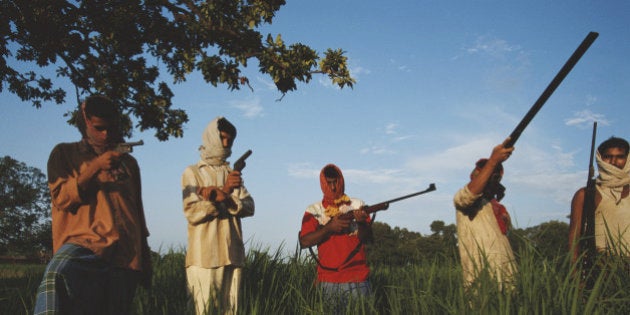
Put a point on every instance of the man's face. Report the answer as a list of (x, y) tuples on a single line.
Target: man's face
[(226, 139), (98, 130), (332, 184), (615, 156)]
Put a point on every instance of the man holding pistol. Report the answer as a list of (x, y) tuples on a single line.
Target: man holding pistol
[(342, 267), (215, 200), (98, 224)]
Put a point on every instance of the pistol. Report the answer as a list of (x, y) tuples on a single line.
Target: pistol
[(239, 165), (127, 147)]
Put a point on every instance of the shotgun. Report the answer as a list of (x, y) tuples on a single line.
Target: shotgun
[(577, 54), (587, 226)]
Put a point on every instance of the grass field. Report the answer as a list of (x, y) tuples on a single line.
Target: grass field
[(276, 284)]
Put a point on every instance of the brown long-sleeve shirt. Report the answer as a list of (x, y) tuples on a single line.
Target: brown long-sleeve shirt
[(107, 218)]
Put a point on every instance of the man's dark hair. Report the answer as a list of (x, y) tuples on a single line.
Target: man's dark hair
[(226, 126), (98, 106), (613, 142), (330, 172)]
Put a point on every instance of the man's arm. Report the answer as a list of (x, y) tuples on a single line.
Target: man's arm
[(69, 183), (197, 207), (499, 154), (335, 225), (365, 228), (575, 223), (103, 162)]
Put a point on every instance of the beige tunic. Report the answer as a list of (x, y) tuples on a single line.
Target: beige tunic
[(480, 239), (612, 223), (215, 237)]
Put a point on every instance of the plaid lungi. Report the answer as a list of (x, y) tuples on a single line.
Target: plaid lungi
[(77, 281)]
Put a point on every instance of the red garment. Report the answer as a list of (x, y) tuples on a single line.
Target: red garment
[(334, 251), (501, 214)]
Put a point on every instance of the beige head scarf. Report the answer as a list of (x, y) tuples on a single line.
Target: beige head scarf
[(612, 178), (212, 150)]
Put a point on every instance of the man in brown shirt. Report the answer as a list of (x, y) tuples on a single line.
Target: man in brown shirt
[(98, 223)]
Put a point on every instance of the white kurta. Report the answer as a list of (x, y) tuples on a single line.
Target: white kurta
[(480, 239)]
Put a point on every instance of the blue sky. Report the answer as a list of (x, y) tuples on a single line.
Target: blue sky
[(439, 84)]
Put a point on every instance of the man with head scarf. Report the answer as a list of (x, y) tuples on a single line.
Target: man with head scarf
[(612, 205), (482, 221), (98, 226), (215, 200), (342, 267)]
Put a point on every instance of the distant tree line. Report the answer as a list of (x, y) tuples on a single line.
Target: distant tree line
[(25, 227), (400, 247)]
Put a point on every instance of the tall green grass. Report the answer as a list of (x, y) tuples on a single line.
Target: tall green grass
[(278, 283)]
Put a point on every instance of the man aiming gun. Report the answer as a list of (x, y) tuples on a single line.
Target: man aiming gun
[(98, 224), (482, 221), (342, 269)]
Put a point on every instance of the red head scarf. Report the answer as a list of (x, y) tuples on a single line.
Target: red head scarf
[(329, 195)]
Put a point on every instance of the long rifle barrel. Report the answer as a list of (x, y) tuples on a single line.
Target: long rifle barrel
[(431, 188), (591, 168), (586, 43)]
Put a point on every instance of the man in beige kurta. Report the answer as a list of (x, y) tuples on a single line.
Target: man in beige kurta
[(612, 205), (215, 200), (482, 241)]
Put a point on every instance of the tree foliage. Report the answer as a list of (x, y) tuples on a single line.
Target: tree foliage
[(24, 204), (118, 48), (549, 239), (401, 247)]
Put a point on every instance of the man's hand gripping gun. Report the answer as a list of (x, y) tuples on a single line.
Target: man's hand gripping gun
[(120, 173), (127, 147), (385, 204)]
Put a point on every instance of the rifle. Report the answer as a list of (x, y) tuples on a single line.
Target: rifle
[(575, 57), (239, 165), (369, 209), (127, 147), (587, 226), (385, 204)]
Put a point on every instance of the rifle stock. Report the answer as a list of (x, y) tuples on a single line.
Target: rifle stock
[(587, 227), (575, 57), (385, 204)]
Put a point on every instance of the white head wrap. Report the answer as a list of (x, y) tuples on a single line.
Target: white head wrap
[(612, 178), (212, 150)]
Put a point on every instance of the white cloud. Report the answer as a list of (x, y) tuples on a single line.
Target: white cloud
[(585, 119), (492, 46), (390, 128), (303, 170), (457, 158), (251, 108), (377, 150)]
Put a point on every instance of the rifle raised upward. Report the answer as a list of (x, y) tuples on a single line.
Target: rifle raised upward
[(575, 57)]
